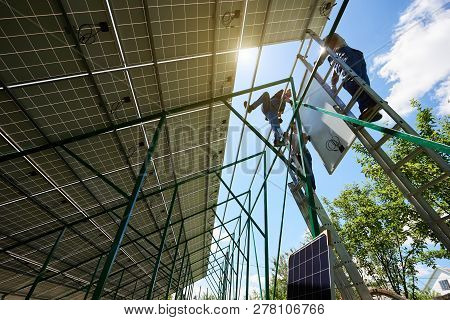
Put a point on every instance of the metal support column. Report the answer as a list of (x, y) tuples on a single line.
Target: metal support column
[(180, 272), (93, 278), (44, 266), (247, 278), (134, 290), (183, 285), (307, 169), (174, 262), (236, 295), (161, 246), (266, 232), (118, 286), (127, 215)]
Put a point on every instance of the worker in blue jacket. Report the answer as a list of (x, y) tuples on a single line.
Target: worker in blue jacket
[(355, 60)]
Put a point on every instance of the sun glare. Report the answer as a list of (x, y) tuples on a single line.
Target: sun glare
[(247, 55)]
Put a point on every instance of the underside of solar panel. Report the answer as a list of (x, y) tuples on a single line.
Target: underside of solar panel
[(77, 77)]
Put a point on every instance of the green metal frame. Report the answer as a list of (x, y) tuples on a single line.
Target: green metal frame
[(45, 265), (417, 140), (224, 278), (162, 245), (127, 215)]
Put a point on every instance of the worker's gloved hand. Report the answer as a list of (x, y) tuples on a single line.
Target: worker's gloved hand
[(333, 89), (306, 138), (322, 57)]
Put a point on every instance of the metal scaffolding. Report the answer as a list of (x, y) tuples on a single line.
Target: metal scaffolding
[(224, 278), (168, 267)]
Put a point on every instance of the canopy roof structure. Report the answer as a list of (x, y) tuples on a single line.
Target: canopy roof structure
[(91, 93)]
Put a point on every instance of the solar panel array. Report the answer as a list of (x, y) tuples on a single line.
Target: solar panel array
[(309, 275), (63, 75)]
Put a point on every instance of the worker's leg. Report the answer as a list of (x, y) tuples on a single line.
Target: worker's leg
[(308, 163), (275, 124), (264, 99), (364, 100)]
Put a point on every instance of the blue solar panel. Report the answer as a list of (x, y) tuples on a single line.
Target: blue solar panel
[(309, 275)]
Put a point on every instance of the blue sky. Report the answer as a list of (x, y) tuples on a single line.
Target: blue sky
[(378, 28)]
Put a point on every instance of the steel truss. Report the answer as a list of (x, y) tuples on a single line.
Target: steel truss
[(224, 277), (226, 265)]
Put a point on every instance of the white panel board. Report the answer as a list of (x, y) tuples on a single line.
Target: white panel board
[(330, 136)]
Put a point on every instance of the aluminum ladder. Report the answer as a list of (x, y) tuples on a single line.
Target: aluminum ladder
[(436, 222)]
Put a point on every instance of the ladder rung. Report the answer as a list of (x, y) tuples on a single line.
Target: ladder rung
[(386, 137), (353, 100), (341, 264), (328, 73), (410, 156), (341, 85), (431, 183)]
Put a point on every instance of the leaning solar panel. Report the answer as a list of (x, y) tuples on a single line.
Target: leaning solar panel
[(309, 272)]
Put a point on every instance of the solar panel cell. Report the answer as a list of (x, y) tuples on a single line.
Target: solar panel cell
[(309, 272)]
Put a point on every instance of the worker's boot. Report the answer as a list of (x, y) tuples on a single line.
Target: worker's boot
[(247, 107), (370, 115), (279, 143)]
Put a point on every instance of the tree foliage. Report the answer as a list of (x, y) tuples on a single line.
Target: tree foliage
[(282, 278), (383, 231)]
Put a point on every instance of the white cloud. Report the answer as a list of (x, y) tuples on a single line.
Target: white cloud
[(253, 284), (423, 271), (418, 58), (408, 241), (442, 95)]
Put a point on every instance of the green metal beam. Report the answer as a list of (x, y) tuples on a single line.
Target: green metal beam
[(162, 245), (224, 277), (179, 274), (118, 286), (211, 286), (221, 250), (267, 143), (174, 261), (185, 283), (239, 203), (127, 215), (126, 244), (111, 128), (312, 213), (96, 172), (93, 278), (418, 140), (236, 294), (120, 206), (257, 264), (247, 279), (266, 231), (227, 231), (281, 226), (44, 266), (164, 278), (134, 291)]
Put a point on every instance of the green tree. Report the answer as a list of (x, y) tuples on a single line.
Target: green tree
[(383, 231), (208, 296), (282, 279)]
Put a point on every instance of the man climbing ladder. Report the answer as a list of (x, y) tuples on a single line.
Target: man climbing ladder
[(355, 60), (273, 107)]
